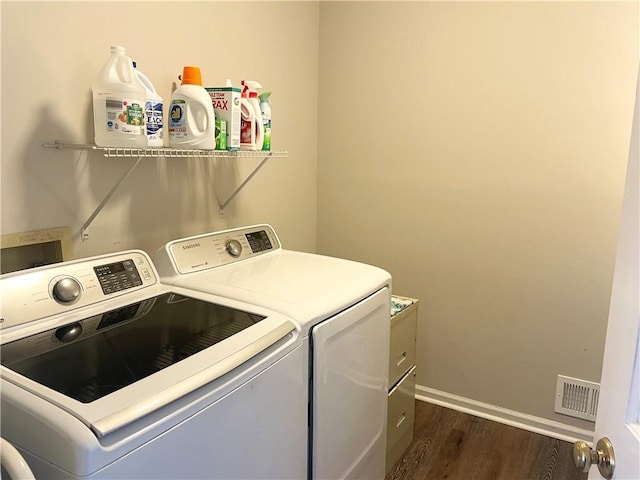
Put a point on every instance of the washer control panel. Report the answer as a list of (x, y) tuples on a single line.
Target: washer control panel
[(118, 276), (216, 249), (42, 292)]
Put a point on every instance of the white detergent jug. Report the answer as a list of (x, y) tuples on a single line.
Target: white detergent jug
[(118, 104), (192, 120)]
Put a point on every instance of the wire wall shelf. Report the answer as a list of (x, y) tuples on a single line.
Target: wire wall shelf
[(140, 153), (165, 152)]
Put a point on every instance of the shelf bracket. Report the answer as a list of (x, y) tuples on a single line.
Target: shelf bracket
[(84, 235), (140, 153), (224, 204)]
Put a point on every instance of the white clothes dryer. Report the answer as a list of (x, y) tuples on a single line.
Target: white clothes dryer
[(343, 308), (107, 373)]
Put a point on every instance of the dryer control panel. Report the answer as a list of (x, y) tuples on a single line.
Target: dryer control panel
[(202, 252)]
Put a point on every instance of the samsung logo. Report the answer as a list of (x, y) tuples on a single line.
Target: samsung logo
[(191, 245)]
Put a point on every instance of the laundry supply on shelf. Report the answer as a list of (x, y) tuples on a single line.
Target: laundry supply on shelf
[(118, 103), (265, 109), (153, 112), (192, 120), (252, 128), (226, 105), (221, 134)]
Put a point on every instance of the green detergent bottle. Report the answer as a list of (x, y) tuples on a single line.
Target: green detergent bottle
[(265, 109)]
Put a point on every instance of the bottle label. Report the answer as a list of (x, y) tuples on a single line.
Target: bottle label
[(125, 115), (247, 132), (153, 119), (219, 100), (177, 119)]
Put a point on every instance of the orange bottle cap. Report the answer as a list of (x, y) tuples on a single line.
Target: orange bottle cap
[(191, 76)]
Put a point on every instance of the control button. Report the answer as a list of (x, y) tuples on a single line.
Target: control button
[(66, 290), (69, 333), (234, 248)]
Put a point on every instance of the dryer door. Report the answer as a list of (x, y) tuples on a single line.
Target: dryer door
[(349, 397)]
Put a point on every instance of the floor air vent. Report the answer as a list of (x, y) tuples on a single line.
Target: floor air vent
[(577, 398)]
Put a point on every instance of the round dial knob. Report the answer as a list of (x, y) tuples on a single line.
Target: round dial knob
[(66, 290), (234, 248), (69, 333)]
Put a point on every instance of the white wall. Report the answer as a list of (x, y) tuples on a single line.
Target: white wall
[(477, 151), (51, 54)]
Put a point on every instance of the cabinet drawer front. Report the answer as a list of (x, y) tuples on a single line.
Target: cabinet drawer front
[(402, 352), (400, 417)]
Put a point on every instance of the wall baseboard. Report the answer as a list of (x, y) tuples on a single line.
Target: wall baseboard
[(512, 418)]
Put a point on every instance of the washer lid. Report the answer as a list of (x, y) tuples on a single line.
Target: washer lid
[(129, 361)]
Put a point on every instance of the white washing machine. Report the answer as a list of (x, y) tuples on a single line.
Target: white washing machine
[(107, 373), (343, 309)]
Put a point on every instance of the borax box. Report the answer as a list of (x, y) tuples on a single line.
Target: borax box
[(226, 105)]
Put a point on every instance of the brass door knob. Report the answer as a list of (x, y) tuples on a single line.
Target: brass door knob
[(584, 457)]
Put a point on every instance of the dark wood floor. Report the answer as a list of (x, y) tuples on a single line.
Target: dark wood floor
[(456, 446)]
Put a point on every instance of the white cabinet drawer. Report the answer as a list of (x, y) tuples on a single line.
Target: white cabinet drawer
[(400, 416), (402, 351)]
